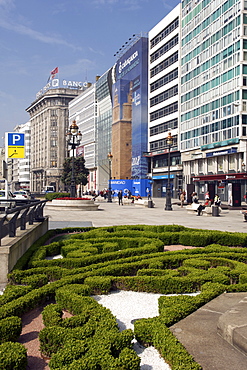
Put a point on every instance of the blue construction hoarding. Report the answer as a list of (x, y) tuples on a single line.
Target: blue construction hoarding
[(131, 76), (137, 187)]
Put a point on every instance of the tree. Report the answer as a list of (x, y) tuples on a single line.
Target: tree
[(80, 171)]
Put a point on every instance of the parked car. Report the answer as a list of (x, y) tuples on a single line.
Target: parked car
[(6, 201), (21, 194), (49, 189)]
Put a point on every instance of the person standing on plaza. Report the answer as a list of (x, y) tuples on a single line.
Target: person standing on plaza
[(182, 198), (120, 197), (217, 200)]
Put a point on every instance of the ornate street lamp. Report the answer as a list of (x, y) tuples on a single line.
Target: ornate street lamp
[(73, 139), (168, 206), (110, 156)]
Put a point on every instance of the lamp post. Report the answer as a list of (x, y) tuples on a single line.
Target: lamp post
[(110, 156), (168, 206), (73, 138)]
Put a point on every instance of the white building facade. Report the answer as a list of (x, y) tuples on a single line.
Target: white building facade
[(164, 72), (49, 124), (21, 167), (83, 110)]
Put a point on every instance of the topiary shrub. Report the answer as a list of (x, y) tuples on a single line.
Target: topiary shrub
[(73, 350), (99, 284), (13, 356), (52, 315), (50, 196), (10, 329), (197, 263)]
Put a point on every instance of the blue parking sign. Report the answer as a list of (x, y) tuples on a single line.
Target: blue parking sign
[(15, 143), (16, 139)]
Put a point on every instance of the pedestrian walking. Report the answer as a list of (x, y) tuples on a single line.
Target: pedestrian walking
[(120, 197)]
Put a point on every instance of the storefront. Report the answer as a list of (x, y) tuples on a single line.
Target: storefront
[(230, 187)]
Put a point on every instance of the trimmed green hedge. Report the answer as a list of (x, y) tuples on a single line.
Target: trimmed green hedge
[(10, 329), (93, 332), (13, 356), (98, 260), (50, 196)]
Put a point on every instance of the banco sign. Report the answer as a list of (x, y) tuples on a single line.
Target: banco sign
[(56, 83)]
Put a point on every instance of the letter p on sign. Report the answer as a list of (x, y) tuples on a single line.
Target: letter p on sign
[(16, 139), (15, 142)]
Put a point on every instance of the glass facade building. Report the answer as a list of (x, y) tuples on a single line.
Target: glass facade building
[(104, 125), (213, 97)]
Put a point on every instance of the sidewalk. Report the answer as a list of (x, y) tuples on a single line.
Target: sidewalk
[(110, 214)]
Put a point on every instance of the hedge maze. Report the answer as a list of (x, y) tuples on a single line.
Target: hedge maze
[(98, 260)]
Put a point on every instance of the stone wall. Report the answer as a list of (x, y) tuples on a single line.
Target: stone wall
[(12, 249)]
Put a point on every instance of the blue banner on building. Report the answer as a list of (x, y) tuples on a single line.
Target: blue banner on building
[(131, 75), (140, 187)]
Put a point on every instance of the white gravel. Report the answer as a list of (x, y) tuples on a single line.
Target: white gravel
[(128, 306)]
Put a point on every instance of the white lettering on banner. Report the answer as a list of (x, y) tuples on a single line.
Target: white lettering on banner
[(127, 61), (55, 82), (118, 182), (72, 83), (136, 161), (230, 177), (65, 83), (137, 99), (220, 153)]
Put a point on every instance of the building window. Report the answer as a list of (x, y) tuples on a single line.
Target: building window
[(162, 144), (220, 162), (169, 109), (164, 49), (231, 161), (165, 32), (164, 127), (53, 163), (200, 166), (164, 80), (164, 64), (210, 165), (173, 91)]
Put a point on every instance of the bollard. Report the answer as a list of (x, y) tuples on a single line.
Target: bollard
[(215, 211)]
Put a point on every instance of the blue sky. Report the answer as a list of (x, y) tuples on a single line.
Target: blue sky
[(78, 36)]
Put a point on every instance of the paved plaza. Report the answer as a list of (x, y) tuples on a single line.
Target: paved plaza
[(109, 214)]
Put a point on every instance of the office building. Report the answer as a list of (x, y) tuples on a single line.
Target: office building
[(164, 76), (104, 128), (213, 97), (83, 110), (130, 117), (49, 120)]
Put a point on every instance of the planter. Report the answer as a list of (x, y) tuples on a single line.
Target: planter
[(73, 204)]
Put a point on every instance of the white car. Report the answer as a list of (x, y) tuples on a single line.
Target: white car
[(21, 194), (6, 201)]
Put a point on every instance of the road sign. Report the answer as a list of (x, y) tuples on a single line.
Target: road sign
[(16, 145)]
